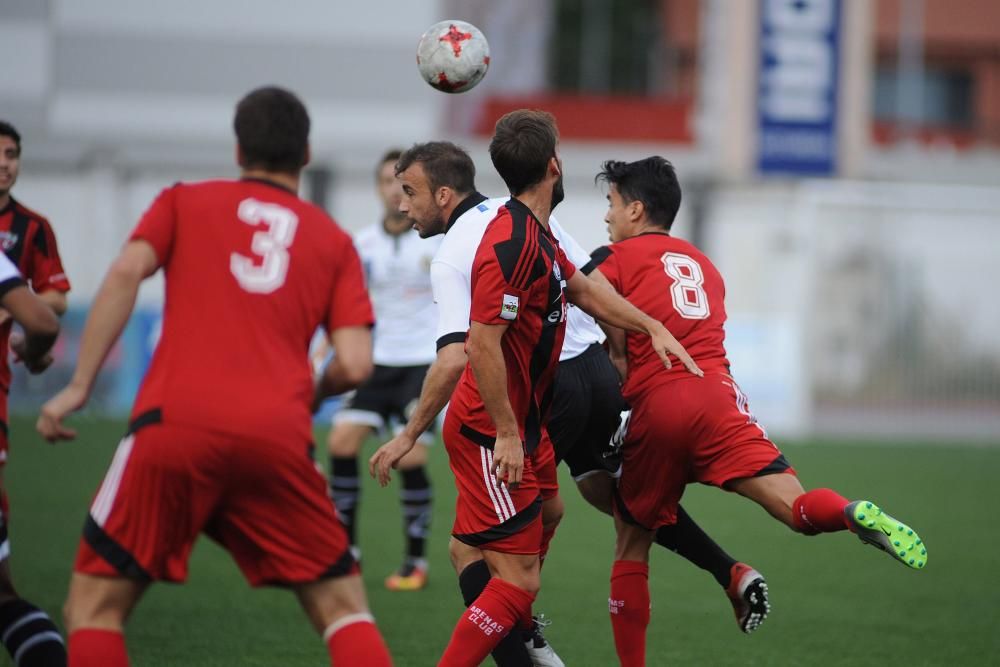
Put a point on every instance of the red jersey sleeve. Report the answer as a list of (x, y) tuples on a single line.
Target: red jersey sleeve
[(494, 299), (46, 268), (349, 303), (158, 224)]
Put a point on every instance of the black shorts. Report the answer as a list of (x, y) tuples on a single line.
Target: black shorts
[(386, 400), (586, 406)]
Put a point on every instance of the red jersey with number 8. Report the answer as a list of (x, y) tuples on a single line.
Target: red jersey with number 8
[(251, 272), (673, 282)]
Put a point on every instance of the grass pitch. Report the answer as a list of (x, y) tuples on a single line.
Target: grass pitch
[(834, 600)]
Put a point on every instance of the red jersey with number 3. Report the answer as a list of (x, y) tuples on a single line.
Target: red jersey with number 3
[(518, 277), (251, 271), (672, 281)]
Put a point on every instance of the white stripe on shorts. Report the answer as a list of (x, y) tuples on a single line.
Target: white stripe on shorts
[(109, 488), (502, 491), (490, 482)]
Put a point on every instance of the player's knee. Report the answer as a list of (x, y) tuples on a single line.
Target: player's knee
[(597, 490), (342, 446)]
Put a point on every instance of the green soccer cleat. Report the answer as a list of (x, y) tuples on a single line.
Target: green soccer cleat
[(875, 527)]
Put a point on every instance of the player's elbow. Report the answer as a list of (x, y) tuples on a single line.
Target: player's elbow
[(357, 369), (452, 359)]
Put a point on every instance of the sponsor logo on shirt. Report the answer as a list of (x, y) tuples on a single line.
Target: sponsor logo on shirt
[(511, 304), (8, 240)]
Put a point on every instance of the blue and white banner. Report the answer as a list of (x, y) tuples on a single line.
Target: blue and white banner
[(797, 87)]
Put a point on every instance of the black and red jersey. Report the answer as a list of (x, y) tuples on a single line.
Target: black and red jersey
[(27, 239), (518, 278)]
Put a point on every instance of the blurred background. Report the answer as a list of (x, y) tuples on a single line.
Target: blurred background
[(840, 161)]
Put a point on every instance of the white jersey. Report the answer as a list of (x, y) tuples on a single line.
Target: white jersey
[(397, 272), (451, 276), (8, 271)]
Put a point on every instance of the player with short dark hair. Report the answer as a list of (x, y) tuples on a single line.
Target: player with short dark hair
[(687, 429), (29, 243), (397, 268), (220, 439)]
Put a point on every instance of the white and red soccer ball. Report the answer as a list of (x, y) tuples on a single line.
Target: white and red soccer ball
[(453, 56)]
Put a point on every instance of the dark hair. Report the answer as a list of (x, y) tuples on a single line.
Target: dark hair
[(523, 143), (651, 181), (391, 155), (8, 130), (444, 163), (272, 129)]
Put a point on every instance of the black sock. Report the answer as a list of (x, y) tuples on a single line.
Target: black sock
[(30, 636), (510, 652), (688, 539), (416, 497), (345, 487)]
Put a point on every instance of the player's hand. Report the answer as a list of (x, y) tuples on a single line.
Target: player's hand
[(664, 344), (387, 457), (18, 345), (508, 460), (57, 408)]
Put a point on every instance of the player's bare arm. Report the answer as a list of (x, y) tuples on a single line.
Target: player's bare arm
[(107, 318), (488, 364), (440, 382), (351, 364), (41, 327), (54, 299), (610, 307)]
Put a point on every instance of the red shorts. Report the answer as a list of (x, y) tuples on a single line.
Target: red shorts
[(264, 502), (689, 430), (490, 515), (543, 460)]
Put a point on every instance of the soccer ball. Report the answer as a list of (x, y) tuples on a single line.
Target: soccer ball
[(453, 56)]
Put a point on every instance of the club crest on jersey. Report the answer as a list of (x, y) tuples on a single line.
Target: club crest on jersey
[(511, 304), (8, 240)]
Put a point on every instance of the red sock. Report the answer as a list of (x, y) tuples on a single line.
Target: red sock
[(629, 607), (89, 647), (819, 511), (499, 608), (354, 640)]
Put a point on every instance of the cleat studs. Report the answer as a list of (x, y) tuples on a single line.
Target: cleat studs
[(909, 533), (899, 527), (896, 543), (920, 564), (911, 561), (919, 541), (923, 552), (868, 505), (861, 517), (871, 524), (902, 554)]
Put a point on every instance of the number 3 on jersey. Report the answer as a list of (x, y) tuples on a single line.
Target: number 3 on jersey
[(687, 291), (271, 244)]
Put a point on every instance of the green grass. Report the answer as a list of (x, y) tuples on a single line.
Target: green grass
[(834, 601)]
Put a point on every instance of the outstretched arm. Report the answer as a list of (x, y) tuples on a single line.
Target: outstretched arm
[(108, 315), (442, 377)]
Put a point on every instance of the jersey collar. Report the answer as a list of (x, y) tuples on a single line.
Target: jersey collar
[(466, 204), (264, 181)]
